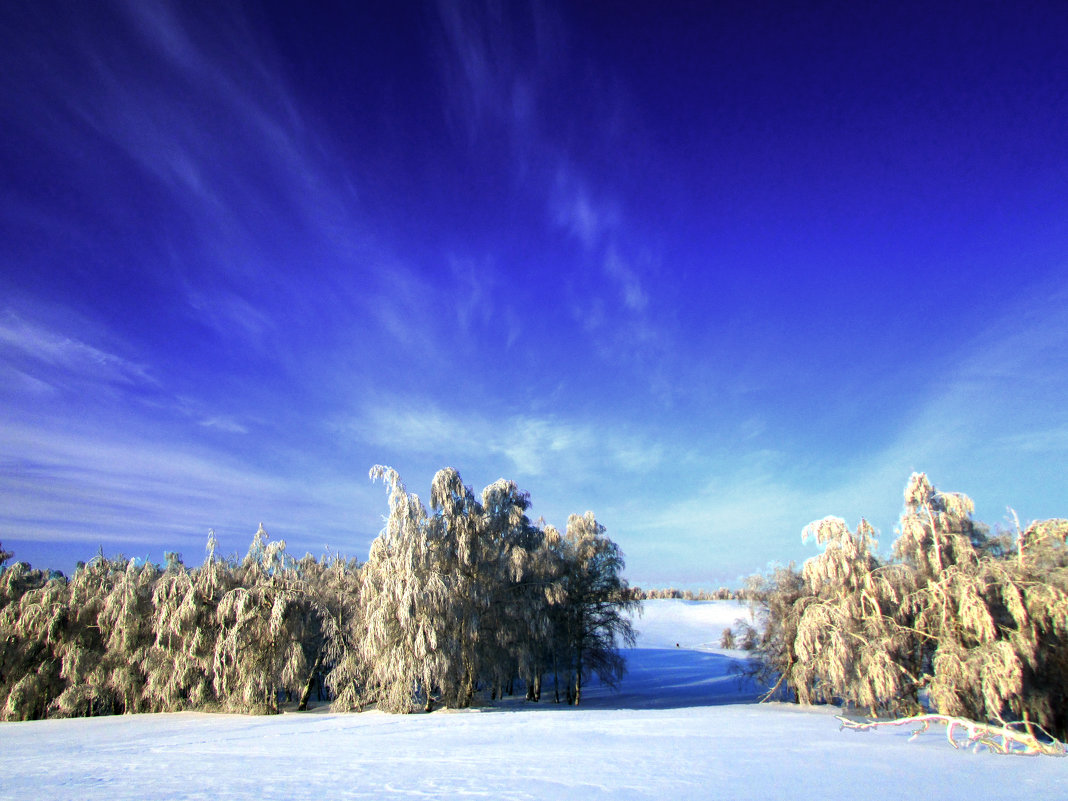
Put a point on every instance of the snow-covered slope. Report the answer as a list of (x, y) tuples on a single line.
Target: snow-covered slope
[(678, 662), (695, 625), (673, 732)]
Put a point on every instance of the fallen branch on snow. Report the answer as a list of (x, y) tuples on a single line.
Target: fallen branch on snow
[(999, 739)]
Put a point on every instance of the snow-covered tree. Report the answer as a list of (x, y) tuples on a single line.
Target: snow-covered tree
[(258, 653), (465, 556), (125, 622), (470, 598), (84, 666), (474, 597), (958, 620), (337, 628), (847, 643), (595, 605), (179, 672), (404, 599), (32, 626), (543, 595)]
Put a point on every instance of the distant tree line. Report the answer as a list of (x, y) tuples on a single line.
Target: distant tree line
[(671, 593), (464, 599), (959, 620)]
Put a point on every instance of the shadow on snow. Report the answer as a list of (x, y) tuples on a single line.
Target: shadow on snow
[(664, 678), (672, 678)]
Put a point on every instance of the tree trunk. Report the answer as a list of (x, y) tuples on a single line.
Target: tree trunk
[(578, 678), (468, 692), (556, 678), (303, 705)]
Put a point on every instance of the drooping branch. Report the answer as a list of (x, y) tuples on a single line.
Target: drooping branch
[(1006, 739)]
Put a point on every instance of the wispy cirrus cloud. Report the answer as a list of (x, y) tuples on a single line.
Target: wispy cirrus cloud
[(227, 424), (236, 319), (93, 484), (574, 209), (634, 296), (998, 408), (1051, 441), (612, 301), (531, 445), (55, 358), (495, 62), (191, 115), (228, 103), (978, 427), (493, 84)]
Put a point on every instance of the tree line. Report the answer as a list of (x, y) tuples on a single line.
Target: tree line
[(467, 599), (969, 623), (673, 593)]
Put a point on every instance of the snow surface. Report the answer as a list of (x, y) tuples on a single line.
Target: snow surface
[(681, 726)]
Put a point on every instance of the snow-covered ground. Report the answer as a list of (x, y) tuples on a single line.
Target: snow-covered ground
[(682, 726)]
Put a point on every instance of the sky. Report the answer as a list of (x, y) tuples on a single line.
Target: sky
[(711, 270)]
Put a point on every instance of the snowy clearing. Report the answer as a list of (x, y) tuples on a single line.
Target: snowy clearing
[(682, 726)]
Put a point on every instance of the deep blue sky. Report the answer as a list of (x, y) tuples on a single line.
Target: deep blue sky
[(712, 270)]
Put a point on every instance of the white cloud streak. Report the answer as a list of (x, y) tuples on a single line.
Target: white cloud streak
[(997, 408), (494, 60), (634, 296), (532, 446), (80, 484), (226, 424), (58, 358), (573, 208)]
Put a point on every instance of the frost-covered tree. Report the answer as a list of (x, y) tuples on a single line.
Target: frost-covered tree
[(32, 626), (125, 621), (258, 653), (959, 620), (937, 532), (335, 629), (474, 597), (15, 581), (180, 666), (544, 596), (518, 628), (84, 663), (845, 642), (596, 600), (404, 599), (485, 551), (465, 556), (170, 659), (471, 598)]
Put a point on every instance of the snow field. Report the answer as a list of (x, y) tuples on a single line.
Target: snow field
[(681, 727)]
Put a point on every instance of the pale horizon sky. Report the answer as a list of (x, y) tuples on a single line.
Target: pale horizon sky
[(709, 272)]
